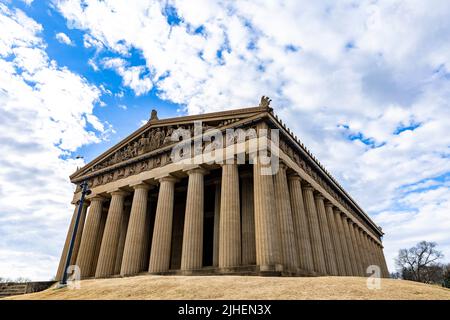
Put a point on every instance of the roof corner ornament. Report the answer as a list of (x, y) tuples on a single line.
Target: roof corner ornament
[(154, 115), (265, 102)]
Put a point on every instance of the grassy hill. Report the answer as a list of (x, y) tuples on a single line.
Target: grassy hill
[(241, 287)]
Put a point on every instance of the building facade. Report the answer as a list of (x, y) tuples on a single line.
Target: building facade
[(231, 192)]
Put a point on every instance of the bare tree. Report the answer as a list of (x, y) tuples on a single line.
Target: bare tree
[(419, 262)]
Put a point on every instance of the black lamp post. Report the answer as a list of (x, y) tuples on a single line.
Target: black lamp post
[(84, 191)]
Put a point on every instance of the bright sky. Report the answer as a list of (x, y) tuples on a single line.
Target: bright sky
[(365, 85)]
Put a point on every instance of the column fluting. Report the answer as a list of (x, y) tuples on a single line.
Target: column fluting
[(267, 245), (300, 223), (288, 245), (314, 230), (88, 241), (192, 251), (248, 221), (135, 239), (162, 232), (358, 254), (216, 223), (343, 242), (328, 249), (111, 235), (230, 219), (336, 241), (354, 263)]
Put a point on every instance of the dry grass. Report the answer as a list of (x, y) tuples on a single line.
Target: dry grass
[(241, 287)]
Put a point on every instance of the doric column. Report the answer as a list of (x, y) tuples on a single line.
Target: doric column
[(383, 262), (230, 219), (267, 245), (372, 260), (351, 249), (360, 240), (288, 245), (377, 257), (192, 252), (330, 259), (343, 242), (216, 224), (135, 240), (111, 235), (248, 221), (148, 232), (314, 230), (76, 245), (122, 238), (98, 240), (89, 238), (356, 247), (336, 241), (300, 224), (162, 232)]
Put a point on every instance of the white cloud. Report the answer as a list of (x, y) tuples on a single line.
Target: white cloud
[(45, 110), (371, 67), (131, 76), (64, 38)]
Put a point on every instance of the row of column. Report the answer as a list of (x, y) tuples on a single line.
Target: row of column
[(280, 224)]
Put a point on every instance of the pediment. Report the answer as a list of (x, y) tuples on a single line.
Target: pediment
[(155, 137)]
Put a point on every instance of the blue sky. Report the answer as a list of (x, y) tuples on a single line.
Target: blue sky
[(365, 86)]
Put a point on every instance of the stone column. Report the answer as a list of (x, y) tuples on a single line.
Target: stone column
[(148, 232), (122, 238), (98, 240), (248, 221), (376, 256), (383, 262), (192, 252), (356, 247), (162, 233), (267, 245), (336, 241), (330, 258), (360, 240), (314, 230), (76, 245), (89, 237), (230, 220), (369, 250), (135, 240), (110, 240), (343, 242), (216, 224), (288, 245), (300, 224), (351, 249)]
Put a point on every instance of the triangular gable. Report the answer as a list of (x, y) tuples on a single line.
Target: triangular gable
[(155, 136)]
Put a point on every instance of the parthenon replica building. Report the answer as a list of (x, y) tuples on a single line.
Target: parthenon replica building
[(231, 192)]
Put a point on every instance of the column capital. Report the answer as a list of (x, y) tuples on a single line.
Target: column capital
[(328, 204), (294, 177), (200, 170), (168, 178), (282, 165), (319, 196), (95, 197), (307, 186), (141, 185), (118, 192)]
